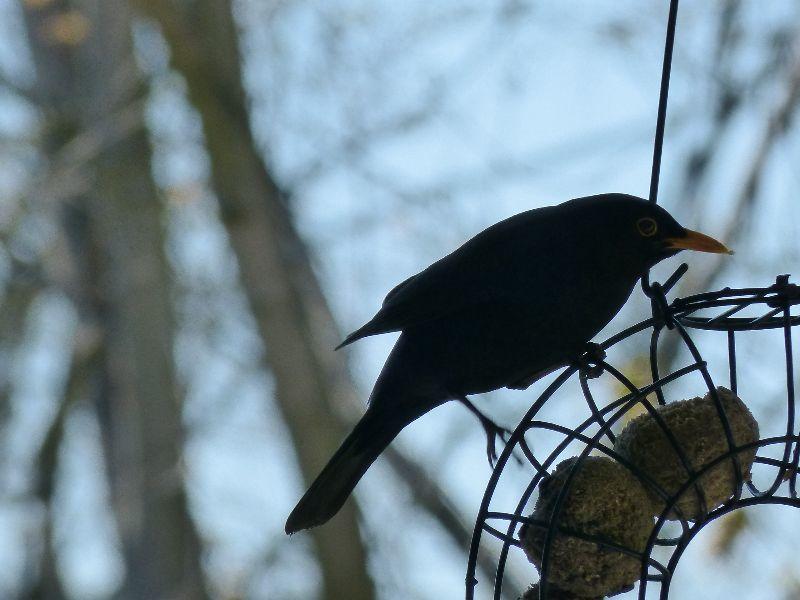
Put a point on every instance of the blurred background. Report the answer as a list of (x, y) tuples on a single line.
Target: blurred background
[(199, 197)]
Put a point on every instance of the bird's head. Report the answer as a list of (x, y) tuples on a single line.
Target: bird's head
[(643, 232)]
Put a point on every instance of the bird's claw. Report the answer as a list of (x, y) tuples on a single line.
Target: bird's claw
[(493, 431), (590, 362)]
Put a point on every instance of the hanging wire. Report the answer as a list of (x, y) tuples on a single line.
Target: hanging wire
[(654, 292), (662, 100)]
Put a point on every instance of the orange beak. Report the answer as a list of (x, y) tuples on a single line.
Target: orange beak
[(694, 240)]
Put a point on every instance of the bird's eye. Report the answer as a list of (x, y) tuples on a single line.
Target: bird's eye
[(647, 227)]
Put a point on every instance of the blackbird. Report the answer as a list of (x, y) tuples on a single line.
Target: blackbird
[(517, 301)]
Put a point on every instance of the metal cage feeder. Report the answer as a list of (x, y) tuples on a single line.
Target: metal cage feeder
[(721, 312)]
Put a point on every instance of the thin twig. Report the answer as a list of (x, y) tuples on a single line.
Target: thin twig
[(19, 90), (746, 200)]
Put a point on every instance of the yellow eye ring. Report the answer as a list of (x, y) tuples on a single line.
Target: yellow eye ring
[(647, 227)]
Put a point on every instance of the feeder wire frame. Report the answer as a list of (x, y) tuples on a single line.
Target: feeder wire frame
[(680, 315)]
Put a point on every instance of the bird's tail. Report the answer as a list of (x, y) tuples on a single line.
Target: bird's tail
[(376, 429)]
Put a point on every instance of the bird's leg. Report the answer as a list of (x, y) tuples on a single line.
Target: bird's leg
[(492, 429)]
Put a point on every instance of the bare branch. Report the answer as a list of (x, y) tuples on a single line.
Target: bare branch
[(66, 175), (19, 90), (746, 201), (85, 360), (777, 124)]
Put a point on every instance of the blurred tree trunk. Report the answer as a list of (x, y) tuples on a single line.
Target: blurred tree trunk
[(86, 70), (54, 91), (275, 269)]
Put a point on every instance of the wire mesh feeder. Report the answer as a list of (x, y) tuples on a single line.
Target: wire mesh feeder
[(504, 529)]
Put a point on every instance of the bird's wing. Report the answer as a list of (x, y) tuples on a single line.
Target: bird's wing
[(422, 298), (478, 272)]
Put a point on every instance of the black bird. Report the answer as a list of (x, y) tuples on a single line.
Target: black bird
[(519, 300)]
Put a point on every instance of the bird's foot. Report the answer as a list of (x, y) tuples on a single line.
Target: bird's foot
[(492, 430), (590, 362)]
